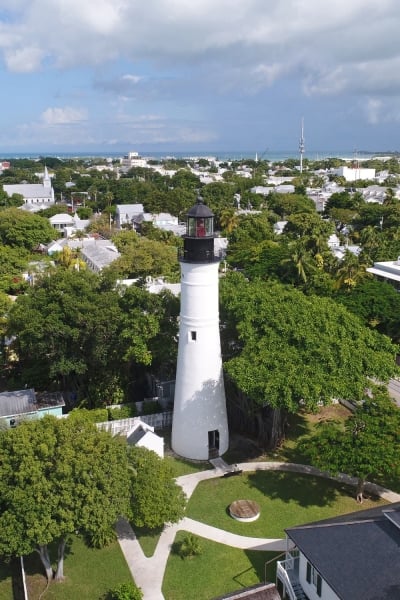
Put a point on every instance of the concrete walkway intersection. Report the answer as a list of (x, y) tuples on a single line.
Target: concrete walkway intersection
[(148, 573)]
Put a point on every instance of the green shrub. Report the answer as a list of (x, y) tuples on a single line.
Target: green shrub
[(95, 415), (101, 537), (126, 591), (126, 411), (188, 547)]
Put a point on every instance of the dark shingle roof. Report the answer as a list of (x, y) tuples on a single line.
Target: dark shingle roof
[(358, 555), (17, 403)]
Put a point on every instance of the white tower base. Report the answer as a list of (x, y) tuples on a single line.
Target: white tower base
[(200, 425)]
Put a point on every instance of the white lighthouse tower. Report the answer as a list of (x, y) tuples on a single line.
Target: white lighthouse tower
[(200, 425)]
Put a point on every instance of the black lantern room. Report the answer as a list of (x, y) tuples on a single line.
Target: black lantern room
[(198, 242)]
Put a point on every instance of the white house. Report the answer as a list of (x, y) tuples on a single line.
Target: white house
[(143, 435), (96, 253), (387, 271), (352, 557), (137, 433), (68, 224), (125, 214)]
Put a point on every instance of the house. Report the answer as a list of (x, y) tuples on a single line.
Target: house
[(26, 404), (387, 271), (68, 224), (36, 195), (137, 432), (125, 214), (351, 557), (97, 253), (143, 435)]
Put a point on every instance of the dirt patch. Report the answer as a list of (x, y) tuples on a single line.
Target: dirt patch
[(336, 412)]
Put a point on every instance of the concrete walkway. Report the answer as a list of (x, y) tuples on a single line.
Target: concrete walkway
[(148, 573)]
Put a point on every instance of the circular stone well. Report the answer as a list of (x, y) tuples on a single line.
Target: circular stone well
[(244, 510)]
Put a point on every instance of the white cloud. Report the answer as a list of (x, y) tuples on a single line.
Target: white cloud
[(173, 32), (131, 78), (63, 116), (23, 60), (176, 58)]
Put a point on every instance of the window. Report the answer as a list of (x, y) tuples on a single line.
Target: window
[(193, 336), (312, 576)]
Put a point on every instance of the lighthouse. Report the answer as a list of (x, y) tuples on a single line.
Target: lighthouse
[(199, 425)]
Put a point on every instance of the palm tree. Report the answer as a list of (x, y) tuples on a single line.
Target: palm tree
[(228, 219), (351, 272), (301, 259)]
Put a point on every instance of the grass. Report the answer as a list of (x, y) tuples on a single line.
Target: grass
[(200, 578), (182, 466), (89, 573), (285, 499), (243, 449), (147, 538), (6, 581)]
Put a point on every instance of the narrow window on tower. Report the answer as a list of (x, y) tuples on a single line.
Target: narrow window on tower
[(193, 336)]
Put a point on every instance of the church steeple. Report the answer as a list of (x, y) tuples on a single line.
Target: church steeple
[(46, 178)]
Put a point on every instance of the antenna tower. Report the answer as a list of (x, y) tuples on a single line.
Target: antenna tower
[(301, 145)]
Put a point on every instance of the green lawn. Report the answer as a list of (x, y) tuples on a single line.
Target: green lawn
[(5, 582), (286, 499), (218, 570), (89, 573), (181, 466), (147, 538)]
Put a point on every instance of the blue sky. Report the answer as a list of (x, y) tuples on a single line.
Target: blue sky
[(197, 75)]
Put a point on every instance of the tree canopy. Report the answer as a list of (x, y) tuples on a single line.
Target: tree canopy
[(73, 331), (157, 499), (366, 446), (19, 228), (285, 350), (59, 476)]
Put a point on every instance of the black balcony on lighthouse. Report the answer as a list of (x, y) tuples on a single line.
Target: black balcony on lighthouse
[(198, 241)]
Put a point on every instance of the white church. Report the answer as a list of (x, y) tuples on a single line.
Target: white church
[(36, 195)]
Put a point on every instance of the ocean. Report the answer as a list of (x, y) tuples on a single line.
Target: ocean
[(218, 154)]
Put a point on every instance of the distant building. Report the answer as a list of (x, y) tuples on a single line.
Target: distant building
[(126, 214), (68, 224), (96, 253), (132, 159), (36, 195), (353, 173), (26, 404)]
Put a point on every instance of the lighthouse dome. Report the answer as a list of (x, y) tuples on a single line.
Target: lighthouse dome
[(200, 210)]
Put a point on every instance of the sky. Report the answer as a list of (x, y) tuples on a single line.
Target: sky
[(199, 75)]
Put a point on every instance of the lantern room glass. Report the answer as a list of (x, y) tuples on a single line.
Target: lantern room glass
[(199, 227)]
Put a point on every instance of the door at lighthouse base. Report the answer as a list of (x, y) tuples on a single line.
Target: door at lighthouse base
[(213, 443)]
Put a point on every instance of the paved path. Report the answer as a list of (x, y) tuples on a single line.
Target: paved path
[(148, 573)]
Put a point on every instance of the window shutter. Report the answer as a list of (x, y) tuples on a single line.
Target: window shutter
[(319, 585), (308, 574)]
